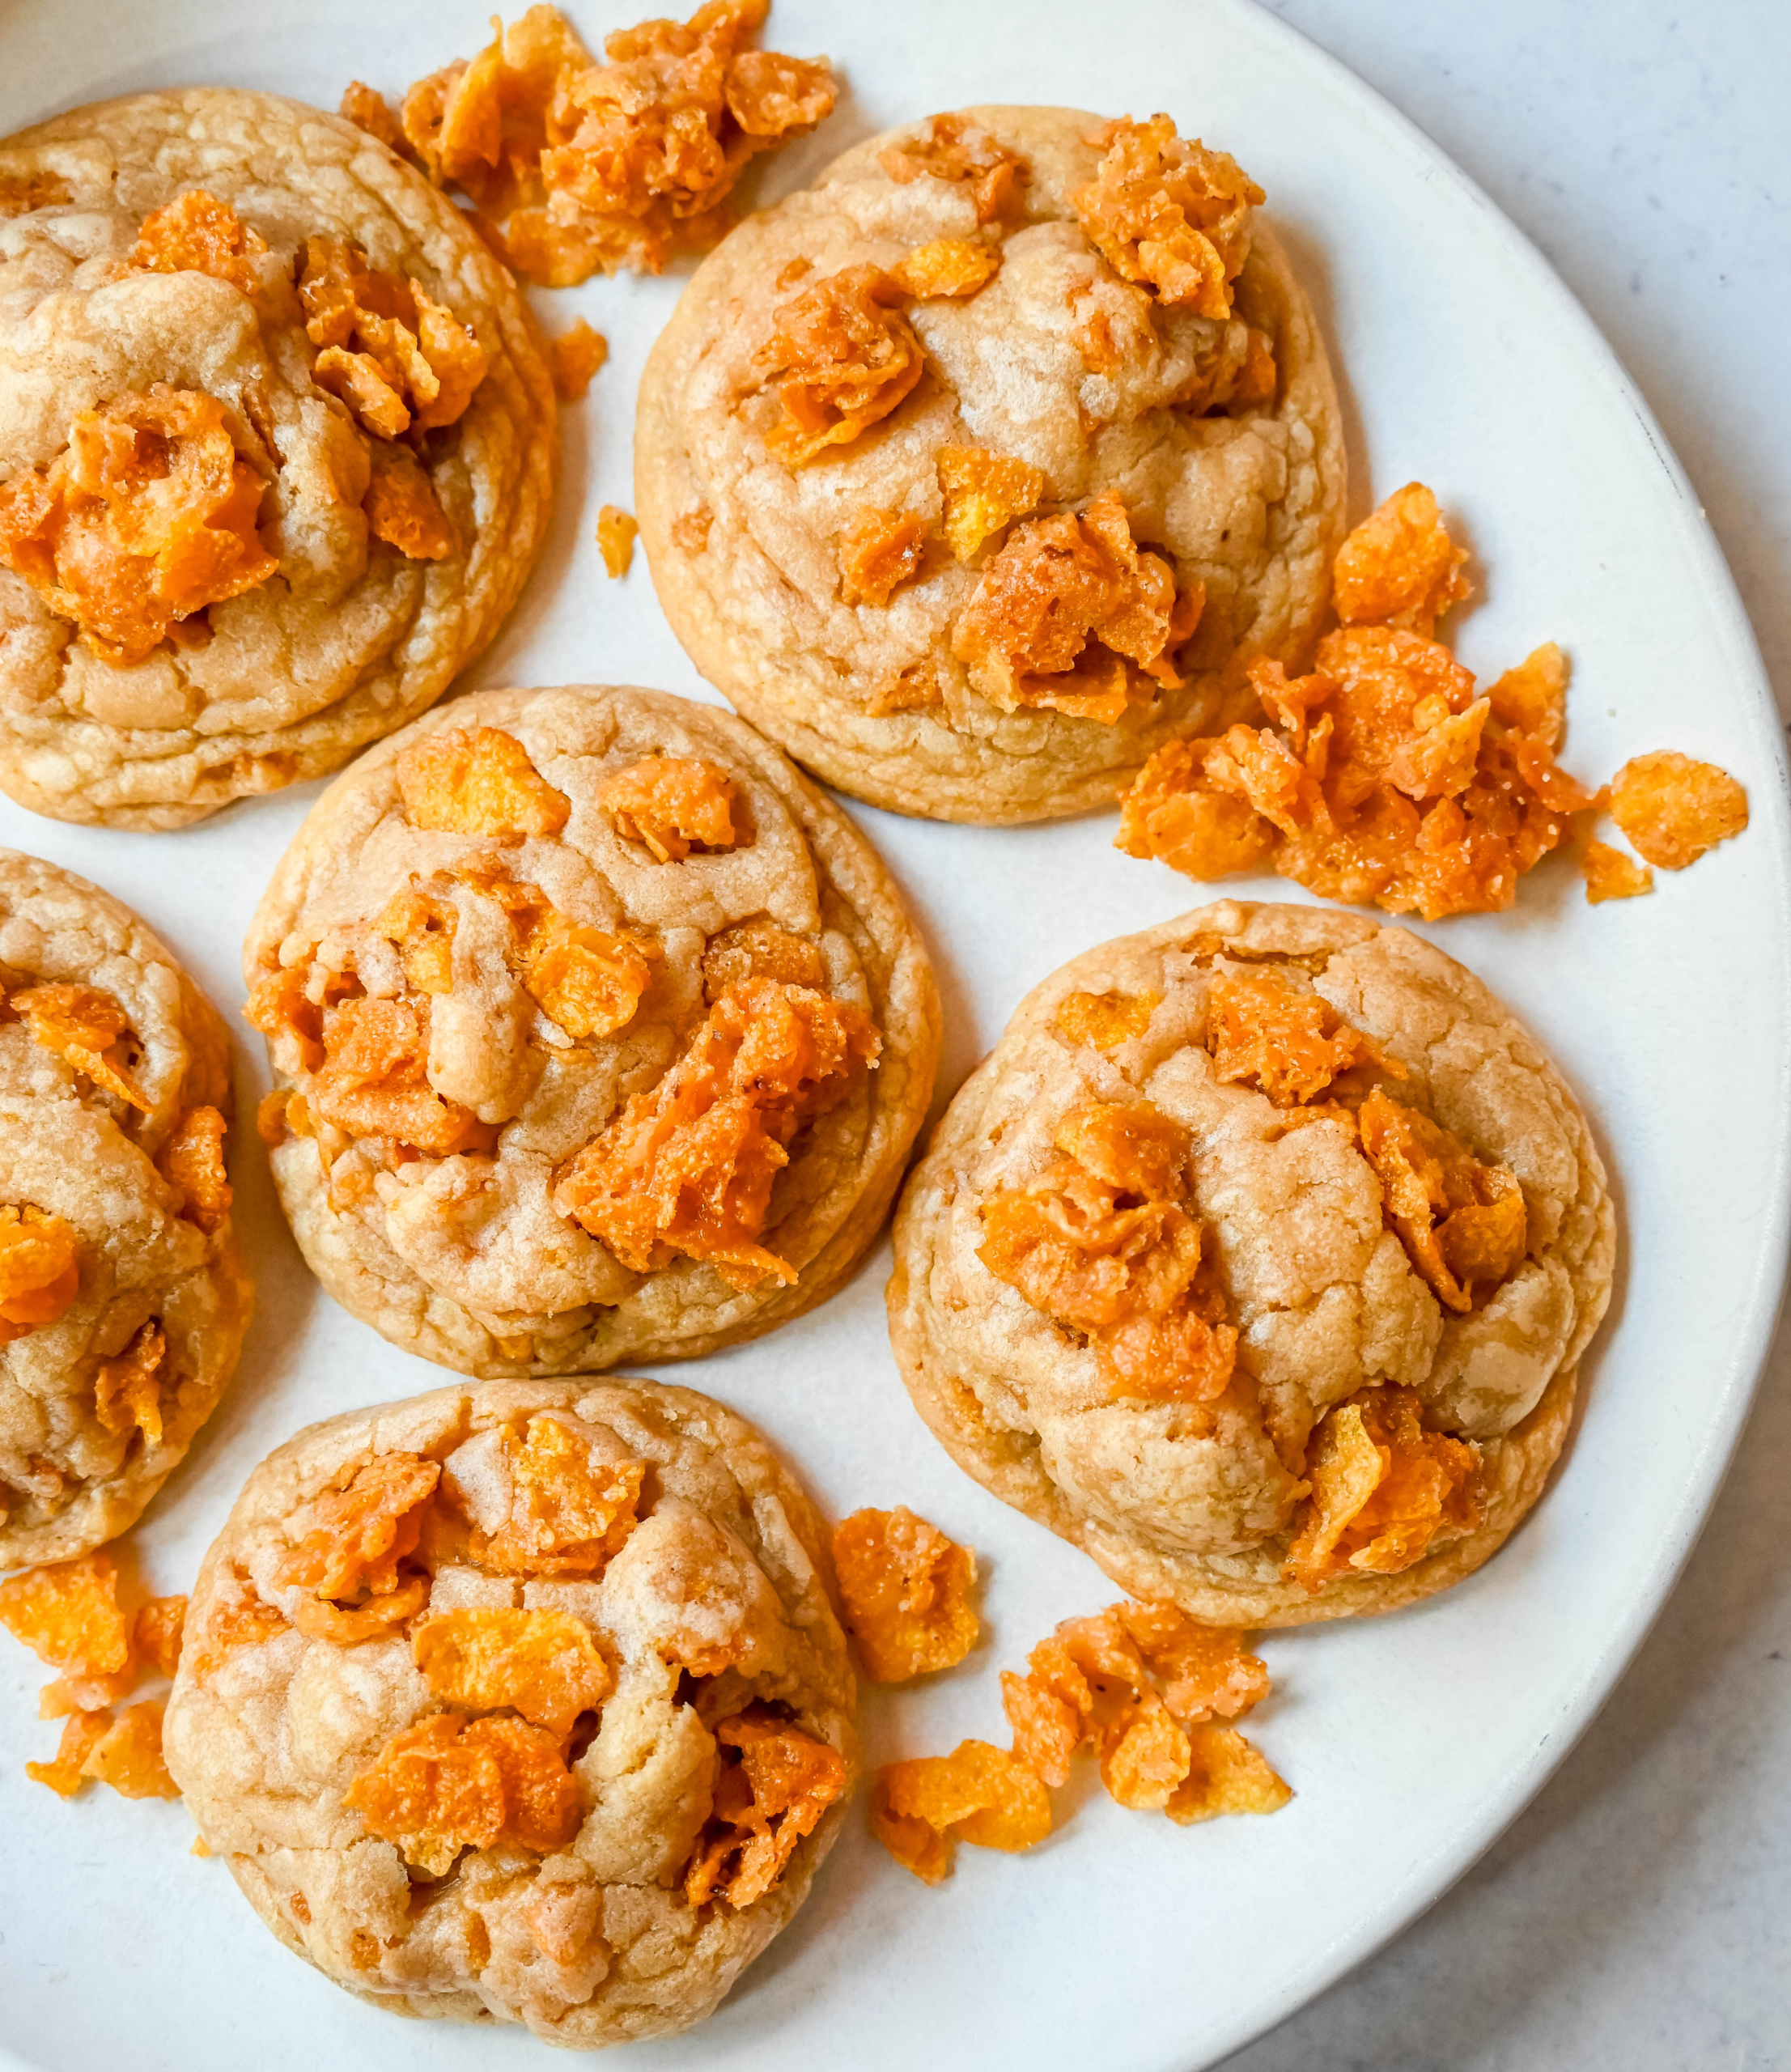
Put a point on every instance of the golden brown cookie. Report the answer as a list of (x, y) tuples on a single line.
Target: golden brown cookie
[(277, 450), (123, 1300), (522, 1702), (970, 490), (1257, 1259), (606, 1037)]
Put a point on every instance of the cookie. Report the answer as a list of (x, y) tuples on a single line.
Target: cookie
[(1257, 1259), (968, 498), (123, 1299), (523, 1702), (600, 1035), (277, 450)]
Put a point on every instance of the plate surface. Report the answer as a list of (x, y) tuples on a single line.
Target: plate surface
[(1124, 1942)]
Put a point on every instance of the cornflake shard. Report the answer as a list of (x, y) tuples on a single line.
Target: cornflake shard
[(128, 1755), (401, 507), (949, 150), (979, 1793), (477, 780), (196, 233), (1400, 566), (357, 1532), (760, 950), (543, 1664), (1673, 809), (374, 1078), (947, 268), (774, 1783), (68, 1616), (1263, 1031), (66, 1772), (576, 356), (616, 531), (878, 552), (192, 1160), (1462, 1222), (672, 804), (1611, 875), (843, 356), (128, 1389), (1105, 1020), (85, 1027), (982, 493), (447, 1784), (906, 1589), (571, 1515), (40, 1269), (394, 356)]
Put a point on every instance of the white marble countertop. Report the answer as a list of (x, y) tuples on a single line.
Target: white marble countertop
[(1639, 1914)]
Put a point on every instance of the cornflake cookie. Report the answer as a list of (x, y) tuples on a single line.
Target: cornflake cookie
[(524, 1702), (123, 1299), (1257, 1259), (277, 449), (978, 470), (598, 1034)]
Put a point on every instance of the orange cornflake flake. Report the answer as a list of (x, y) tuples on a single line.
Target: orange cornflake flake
[(760, 950), (1226, 1774), (979, 1793), (1236, 373), (1462, 1221), (947, 268), (393, 355), (192, 1161), (477, 780), (1673, 809), (1400, 567), (371, 111), (949, 150), (687, 1166), (127, 1390), (401, 506), (21, 193), (66, 1772), (544, 1664), (983, 492), (422, 928), (196, 233), (375, 1080), (586, 165), (846, 356), (128, 1755), (448, 1783), (1262, 1031), (237, 1618), (1383, 1489), (879, 551), (1105, 1020), (672, 804), (588, 982), (571, 1515), (68, 1616), (1062, 608), (1100, 1241), (906, 1589), (1169, 214), (575, 356), (616, 531), (1611, 875), (82, 1026), (319, 1619), (40, 1270), (145, 517), (158, 1631), (915, 687), (773, 1793), (355, 1533)]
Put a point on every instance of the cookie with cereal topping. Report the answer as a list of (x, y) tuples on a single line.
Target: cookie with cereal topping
[(123, 1297), (522, 1702), (277, 451), (1257, 1259), (979, 469), (598, 1034)]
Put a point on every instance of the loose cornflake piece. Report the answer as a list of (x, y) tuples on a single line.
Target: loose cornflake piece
[(1263, 1030), (947, 267), (401, 507), (128, 1755), (982, 493), (477, 780), (1400, 566), (906, 1589), (672, 804), (68, 1614), (616, 531), (950, 149), (774, 1783), (158, 1631), (1462, 1222), (979, 1793), (374, 1080), (575, 357), (85, 1027), (1100, 1241), (196, 233), (127, 1390), (40, 1269), (66, 1772), (847, 357), (570, 1515), (394, 356), (878, 552), (544, 1664), (192, 1160), (1384, 1490), (1673, 809), (352, 1537), (1105, 1020), (1168, 214), (1611, 875), (447, 1784), (147, 516), (687, 1166), (371, 111), (1226, 1774)]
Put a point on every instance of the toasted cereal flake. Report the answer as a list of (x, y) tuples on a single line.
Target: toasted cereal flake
[(572, 1514), (446, 1784), (844, 356), (238, 1619), (40, 1269), (765, 1802), (1611, 875), (374, 1080), (21, 193), (68, 1616), (879, 551), (1462, 1221), (979, 1793), (128, 1755), (912, 688), (371, 111), (544, 1664), (1169, 214), (1383, 1489), (1202, 1671), (84, 1026), (1048, 1728), (1166, 815), (422, 928), (191, 1160), (127, 1390), (1531, 698), (1226, 1774), (88, 1694), (1263, 1031), (947, 267), (66, 1773), (906, 1589), (616, 531), (575, 357), (386, 349), (983, 492), (355, 1533), (588, 982), (949, 150), (687, 1166), (1400, 566), (319, 1619), (477, 780), (157, 1632), (1143, 1754), (672, 804), (401, 506), (1105, 1020), (1673, 809), (760, 950), (196, 233)]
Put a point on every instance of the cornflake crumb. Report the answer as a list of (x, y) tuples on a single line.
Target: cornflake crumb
[(979, 1793), (196, 233), (906, 1589), (847, 357), (1168, 214), (774, 1783), (982, 493), (575, 357), (1105, 1020), (878, 552), (948, 150), (1611, 875), (672, 804), (1673, 809), (477, 780), (40, 1269), (616, 531), (947, 268)]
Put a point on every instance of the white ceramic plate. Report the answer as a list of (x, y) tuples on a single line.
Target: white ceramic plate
[(1124, 1943)]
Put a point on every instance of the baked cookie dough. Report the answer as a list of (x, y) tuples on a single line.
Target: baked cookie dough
[(277, 449), (1257, 1259), (968, 510), (600, 1035), (123, 1301), (522, 1702)]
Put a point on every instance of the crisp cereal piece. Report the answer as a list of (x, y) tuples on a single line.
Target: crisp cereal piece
[(238, 1619), (1105, 1020), (760, 950), (128, 1755), (672, 804), (948, 150), (401, 506), (40, 1269), (589, 982), (576, 356), (947, 268), (765, 1801), (67, 1772), (1143, 1754), (447, 1784), (1263, 1032), (982, 493), (372, 112), (128, 1389), (544, 1664), (572, 1514), (906, 1589), (192, 1159), (1169, 213), (85, 1026), (320, 1619), (878, 552), (68, 1616), (1048, 1725), (477, 780), (198, 233), (374, 1080), (1226, 1774), (1399, 567), (22, 193), (1673, 809), (358, 1531), (393, 354), (1531, 698), (1611, 875), (1462, 1222), (1202, 1671), (847, 357), (157, 1632), (616, 531), (422, 929), (979, 1793), (1204, 834)]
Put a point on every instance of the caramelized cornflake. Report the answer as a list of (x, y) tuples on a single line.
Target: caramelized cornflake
[(447, 1784), (371, 111), (127, 1390), (770, 1792), (146, 517), (571, 1515), (1226, 1774), (949, 150), (1105, 1020), (319, 1619), (1673, 809), (237, 1618), (1168, 214), (393, 355), (543, 1664), (196, 233), (575, 357), (979, 1793), (22, 193), (422, 928), (586, 981), (947, 268), (687, 1166), (672, 804), (760, 950), (374, 1080), (616, 531), (68, 1616), (915, 687), (1264, 1031), (361, 1528), (477, 780), (128, 1755), (906, 1589), (1611, 875), (66, 1772), (158, 1631), (1100, 1242), (84, 1027), (1400, 566), (40, 1269), (1383, 1490), (878, 552), (846, 356), (982, 493), (1462, 1221), (192, 1161), (1236, 373), (402, 508)]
